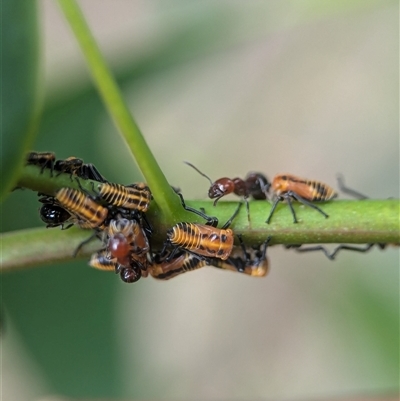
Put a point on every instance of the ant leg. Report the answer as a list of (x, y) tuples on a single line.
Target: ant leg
[(211, 221), (348, 191), (272, 210), (306, 202), (248, 210), (228, 223)]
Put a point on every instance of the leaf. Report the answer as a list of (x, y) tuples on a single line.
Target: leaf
[(20, 100)]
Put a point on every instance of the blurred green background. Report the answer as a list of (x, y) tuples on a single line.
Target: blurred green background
[(307, 87)]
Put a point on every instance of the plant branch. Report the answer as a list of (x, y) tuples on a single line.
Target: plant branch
[(164, 196), (363, 222)]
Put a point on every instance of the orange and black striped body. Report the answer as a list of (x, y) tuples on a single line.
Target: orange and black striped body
[(255, 267), (307, 189), (202, 239), (288, 187), (254, 264), (88, 213), (71, 165), (103, 260), (135, 197), (251, 261), (182, 263), (42, 159), (76, 167)]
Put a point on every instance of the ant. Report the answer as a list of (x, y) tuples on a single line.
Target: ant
[(255, 185)]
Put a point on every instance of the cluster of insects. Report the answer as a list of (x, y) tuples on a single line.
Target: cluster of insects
[(117, 216)]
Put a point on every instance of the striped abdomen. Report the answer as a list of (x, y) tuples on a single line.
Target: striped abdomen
[(308, 189), (255, 267), (135, 196), (178, 265), (203, 240), (101, 260), (41, 159), (90, 213)]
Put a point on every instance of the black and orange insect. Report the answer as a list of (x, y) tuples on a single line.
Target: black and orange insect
[(255, 184), (135, 197), (332, 255), (42, 159), (76, 167), (53, 214), (126, 239), (102, 260), (125, 252), (204, 240), (288, 187), (253, 262), (164, 269), (89, 213)]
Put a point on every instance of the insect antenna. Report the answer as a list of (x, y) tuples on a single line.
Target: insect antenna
[(201, 173)]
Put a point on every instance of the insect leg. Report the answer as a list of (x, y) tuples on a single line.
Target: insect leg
[(306, 202), (211, 221), (228, 223), (277, 200)]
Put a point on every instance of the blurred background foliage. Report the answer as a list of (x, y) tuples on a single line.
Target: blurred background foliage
[(307, 87)]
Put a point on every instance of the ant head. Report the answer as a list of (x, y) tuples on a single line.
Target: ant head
[(220, 188)]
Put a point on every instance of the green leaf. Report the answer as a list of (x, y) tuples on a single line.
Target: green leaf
[(20, 100)]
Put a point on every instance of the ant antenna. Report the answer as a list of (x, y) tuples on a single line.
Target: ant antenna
[(206, 176)]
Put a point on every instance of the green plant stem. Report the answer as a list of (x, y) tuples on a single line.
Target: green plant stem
[(349, 222), (362, 222), (164, 196), (39, 246)]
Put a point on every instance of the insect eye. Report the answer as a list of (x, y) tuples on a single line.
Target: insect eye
[(221, 187), (215, 191)]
